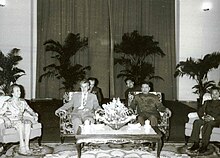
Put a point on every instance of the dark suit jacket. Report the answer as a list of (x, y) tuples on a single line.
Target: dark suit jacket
[(98, 92), (212, 108)]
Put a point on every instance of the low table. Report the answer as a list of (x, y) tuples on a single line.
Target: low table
[(95, 134)]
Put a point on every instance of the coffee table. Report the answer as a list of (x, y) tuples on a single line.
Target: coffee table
[(104, 134)]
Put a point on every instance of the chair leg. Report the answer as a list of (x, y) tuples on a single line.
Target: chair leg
[(186, 139), (5, 147), (62, 139), (39, 139)]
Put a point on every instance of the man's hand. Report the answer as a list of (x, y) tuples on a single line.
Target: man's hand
[(169, 113), (35, 117), (7, 122), (208, 118), (60, 113), (100, 112), (130, 96)]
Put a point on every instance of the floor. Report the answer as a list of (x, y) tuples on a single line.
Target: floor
[(50, 122)]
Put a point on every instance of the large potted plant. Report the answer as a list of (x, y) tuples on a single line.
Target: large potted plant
[(64, 69), (9, 72), (198, 69), (134, 53)]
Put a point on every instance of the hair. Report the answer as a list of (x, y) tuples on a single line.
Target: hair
[(214, 88), (11, 88), (2, 93), (94, 79), (145, 82), (132, 79), (84, 81)]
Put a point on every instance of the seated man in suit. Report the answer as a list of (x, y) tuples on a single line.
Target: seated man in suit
[(148, 107), (84, 105), (209, 115), (95, 89)]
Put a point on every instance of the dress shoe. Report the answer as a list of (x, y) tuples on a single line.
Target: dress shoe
[(194, 147), (203, 149)]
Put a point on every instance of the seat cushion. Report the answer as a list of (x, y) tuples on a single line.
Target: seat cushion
[(11, 135)]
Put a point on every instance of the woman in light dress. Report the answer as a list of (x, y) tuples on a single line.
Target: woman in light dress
[(13, 111)]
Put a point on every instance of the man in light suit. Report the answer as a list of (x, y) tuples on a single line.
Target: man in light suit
[(84, 105)]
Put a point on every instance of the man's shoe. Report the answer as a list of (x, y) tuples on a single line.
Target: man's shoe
[(194, 147), (203, 149)]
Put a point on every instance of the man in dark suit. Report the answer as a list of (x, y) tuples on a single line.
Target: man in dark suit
[(84, 105), (130, 91), (209, 117), (95, 89)]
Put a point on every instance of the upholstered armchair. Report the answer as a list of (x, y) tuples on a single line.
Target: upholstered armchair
[(66, 127), (164, 125), (10, 135)]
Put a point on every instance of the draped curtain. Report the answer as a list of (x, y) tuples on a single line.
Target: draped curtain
[(104, 22)]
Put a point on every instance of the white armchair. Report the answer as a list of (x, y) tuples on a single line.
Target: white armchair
[(10, 135)]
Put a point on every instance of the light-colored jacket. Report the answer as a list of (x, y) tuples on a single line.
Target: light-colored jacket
[(90, 107)]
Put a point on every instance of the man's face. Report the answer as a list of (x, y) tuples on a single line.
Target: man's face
[(92, 83), (145, 88), (215, 94), (84, 87), (129, 84)]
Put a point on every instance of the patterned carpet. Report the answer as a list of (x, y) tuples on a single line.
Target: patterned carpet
[(57, 150)]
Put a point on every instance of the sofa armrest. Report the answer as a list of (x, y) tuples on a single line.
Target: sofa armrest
[(193, 115)]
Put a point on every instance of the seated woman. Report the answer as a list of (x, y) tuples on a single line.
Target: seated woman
[(13, 114)]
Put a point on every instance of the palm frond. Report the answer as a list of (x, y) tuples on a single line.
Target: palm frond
[(198, 69), (9, 73), (64, 70), (132, 53)]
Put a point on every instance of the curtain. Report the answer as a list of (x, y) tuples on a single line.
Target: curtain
[(104, 22)]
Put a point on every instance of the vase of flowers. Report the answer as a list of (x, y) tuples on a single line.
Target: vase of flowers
[(115, 114)]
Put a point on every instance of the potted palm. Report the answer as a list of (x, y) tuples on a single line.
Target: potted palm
[(9, 72), (64, 69), (198, 69), (134, 54)]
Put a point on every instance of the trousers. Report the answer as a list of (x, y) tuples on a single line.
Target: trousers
[(207, 128)]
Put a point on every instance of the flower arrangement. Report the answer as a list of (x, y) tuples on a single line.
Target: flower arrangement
[(115, 114)]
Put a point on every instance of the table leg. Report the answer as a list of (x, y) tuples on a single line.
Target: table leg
[(79, 148), (159, 147)]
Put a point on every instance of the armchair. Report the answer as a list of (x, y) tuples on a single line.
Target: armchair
[(10, 135), (164, 124), (66, 127)]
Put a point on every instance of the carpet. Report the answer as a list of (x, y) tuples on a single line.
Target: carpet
[(66, 150)]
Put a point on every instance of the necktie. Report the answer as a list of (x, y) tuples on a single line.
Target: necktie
[(84, 99)]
